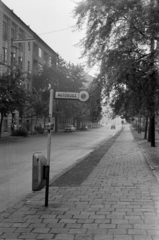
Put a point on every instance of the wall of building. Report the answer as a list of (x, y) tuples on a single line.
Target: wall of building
[(1, 30), (25, 50)]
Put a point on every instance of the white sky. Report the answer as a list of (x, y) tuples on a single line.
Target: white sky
[(49, 16)]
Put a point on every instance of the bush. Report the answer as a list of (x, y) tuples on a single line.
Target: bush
[(39, 129), (20, 132)]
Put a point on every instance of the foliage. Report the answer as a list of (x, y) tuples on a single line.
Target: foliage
[(121, 36), (13, 95), (95, 93), (66, 77), (20, 132), (39, 129)]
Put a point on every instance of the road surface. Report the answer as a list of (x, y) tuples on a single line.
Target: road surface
[(66, 149)]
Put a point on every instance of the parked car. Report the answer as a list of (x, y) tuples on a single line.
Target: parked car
[(70, 128), (112, 126)]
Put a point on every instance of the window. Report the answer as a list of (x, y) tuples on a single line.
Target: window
[(12, 34), (20, 61), (20, 44), (53, 61), (45, 58), (49, 61), (12, 59), (4, 30), (40, 67), (5, 55), (40, 52), (28, 66), (29, 47)]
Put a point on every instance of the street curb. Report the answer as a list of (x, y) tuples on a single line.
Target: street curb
[(153, 168), (151, 165)]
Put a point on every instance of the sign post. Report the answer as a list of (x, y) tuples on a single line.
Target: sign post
[(47, 167), (82, 96)]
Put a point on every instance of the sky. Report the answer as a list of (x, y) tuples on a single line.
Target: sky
[(53, 21)]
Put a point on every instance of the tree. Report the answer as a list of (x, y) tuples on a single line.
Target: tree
[(121, 36), (66, 77), (13, 95), (95, 100)]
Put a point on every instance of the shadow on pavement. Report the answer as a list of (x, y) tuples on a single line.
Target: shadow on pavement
[(76, 175)]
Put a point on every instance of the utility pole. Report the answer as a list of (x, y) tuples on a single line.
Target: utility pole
[(47, 167)]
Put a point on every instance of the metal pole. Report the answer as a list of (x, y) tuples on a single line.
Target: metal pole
[(47, 168)]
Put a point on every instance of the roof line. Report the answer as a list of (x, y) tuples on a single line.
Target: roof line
[(28, 27)]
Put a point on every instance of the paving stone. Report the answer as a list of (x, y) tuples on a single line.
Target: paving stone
[(88, 226), (141, 237), (125, 226), (103, 237), (77, 231), (59, 230), (107, 226), (117, 231), (10, 235), (8, 229), (153, 233), (119, 200), (23, 230), (84, 236), (41, 230), (97, 231), (123, 237), (64, 237), (45, 236), (137, 232)]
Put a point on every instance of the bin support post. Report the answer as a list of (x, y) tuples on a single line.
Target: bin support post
[(47, 175), (47, 168)]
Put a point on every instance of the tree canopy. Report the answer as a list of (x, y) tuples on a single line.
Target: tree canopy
[(66, 77), (122, 36)]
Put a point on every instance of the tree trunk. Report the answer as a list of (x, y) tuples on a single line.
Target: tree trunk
[(31, 119), (138, 126), (36, 120), (78, 123), (44, 122), (146, 126), (149, 133), (153, 131), (1, 123), (56, 124)]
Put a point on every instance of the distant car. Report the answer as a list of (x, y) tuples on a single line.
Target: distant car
[(112, 126), (84, 127), (70, 128)]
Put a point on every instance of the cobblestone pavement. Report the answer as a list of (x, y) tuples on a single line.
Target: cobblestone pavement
[(118, 201)]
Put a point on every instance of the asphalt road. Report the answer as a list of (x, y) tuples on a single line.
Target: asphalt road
[(66, 149)]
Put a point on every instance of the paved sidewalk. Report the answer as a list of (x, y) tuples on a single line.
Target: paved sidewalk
[(118, 201)]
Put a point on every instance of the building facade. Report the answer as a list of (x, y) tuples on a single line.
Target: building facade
[(21, 48)]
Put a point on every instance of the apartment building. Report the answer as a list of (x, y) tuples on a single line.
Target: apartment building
[(21, 48)]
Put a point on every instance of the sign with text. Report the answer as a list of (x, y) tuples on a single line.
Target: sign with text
[(82, 96), (66, 95)]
